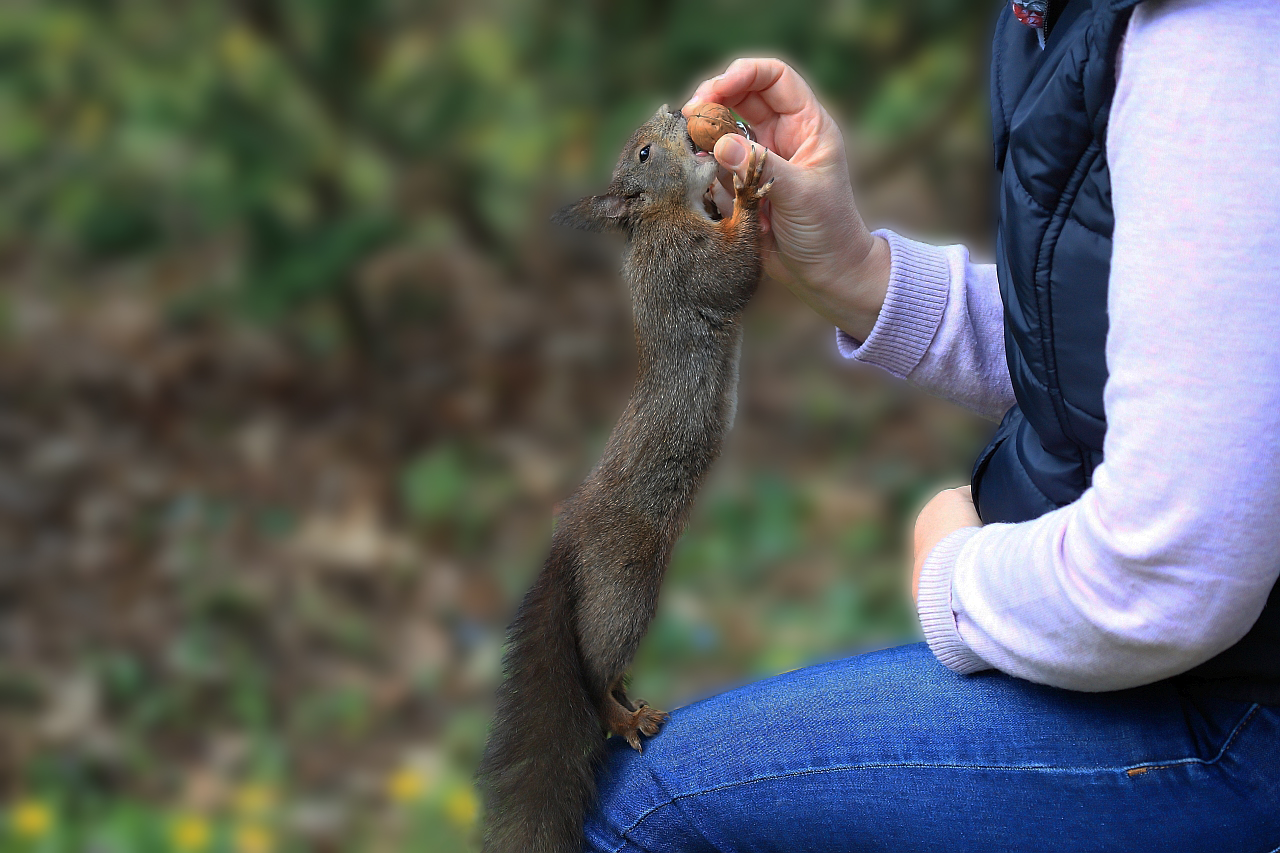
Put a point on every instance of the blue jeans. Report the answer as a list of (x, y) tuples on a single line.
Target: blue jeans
[(891, 751)]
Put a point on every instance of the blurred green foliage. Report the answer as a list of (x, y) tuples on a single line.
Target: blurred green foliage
[(306, 130), (270, 158)]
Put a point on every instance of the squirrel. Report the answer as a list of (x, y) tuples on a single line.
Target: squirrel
[(690, 276)]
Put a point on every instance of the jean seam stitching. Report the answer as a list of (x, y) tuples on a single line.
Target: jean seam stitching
[(671, 800), (864, 766), (1160, 765)]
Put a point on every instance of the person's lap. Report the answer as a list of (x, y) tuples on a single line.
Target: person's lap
[(891, 751)]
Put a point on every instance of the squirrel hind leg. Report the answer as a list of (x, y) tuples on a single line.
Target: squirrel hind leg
[(627, 720)]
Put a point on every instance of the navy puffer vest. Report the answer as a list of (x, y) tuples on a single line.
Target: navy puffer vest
[(1050, 110)]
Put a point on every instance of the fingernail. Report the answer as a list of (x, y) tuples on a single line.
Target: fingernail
[(732, 151), (691, 102)]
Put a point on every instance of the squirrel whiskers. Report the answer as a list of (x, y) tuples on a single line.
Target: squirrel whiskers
[(578, 629)]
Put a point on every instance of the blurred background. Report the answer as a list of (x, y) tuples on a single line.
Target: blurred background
[(293, 370)]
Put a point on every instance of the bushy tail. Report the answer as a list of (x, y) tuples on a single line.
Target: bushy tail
[(538, 770)]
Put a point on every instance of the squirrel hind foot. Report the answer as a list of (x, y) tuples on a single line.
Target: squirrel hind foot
[(629, 725), (649, 720)]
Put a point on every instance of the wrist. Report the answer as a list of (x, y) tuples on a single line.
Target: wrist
[(852, 297), (869, 279), (934, 607)]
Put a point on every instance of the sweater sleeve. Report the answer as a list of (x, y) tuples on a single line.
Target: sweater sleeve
[(1168, 558), (940, 327)]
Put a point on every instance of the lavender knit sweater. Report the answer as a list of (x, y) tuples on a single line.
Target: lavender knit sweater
[(1168, 558)]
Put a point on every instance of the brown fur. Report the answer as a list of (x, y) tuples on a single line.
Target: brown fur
[(578, 628)]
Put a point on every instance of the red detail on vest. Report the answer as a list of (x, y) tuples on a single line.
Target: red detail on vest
[(1030, 12)]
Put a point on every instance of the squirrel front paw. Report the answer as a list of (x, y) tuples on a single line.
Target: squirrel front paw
[(747, 194)]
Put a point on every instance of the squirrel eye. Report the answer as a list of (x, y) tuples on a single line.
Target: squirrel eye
[(644, 153)]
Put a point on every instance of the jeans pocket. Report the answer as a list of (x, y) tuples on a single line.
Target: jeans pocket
[(1213, 726)]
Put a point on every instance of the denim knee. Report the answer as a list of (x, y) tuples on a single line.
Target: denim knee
[(629, 792)]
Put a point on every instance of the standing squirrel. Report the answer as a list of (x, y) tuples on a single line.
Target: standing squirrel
[(574, 637)]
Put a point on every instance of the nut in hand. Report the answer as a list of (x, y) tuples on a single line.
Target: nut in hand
[(711, 122)]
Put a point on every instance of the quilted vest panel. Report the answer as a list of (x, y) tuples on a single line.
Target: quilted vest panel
[(1050, 110)]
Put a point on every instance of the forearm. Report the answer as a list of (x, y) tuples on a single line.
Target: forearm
[(1099, 597), (940, 327)]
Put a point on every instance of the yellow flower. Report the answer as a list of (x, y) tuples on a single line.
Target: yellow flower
[(252, 839), (239, 48), (254, 800), (462, 808), (190, 834), (90, 121), (31, 819), (406, 785)]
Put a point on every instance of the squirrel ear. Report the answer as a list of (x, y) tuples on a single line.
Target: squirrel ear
[(595, 213)]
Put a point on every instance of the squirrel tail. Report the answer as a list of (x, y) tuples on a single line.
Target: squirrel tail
[(538, 769)]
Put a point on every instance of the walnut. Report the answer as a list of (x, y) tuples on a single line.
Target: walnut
[(709, 123)]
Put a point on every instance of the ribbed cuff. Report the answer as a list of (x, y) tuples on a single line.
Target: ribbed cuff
[(918, 279), (933, 604)]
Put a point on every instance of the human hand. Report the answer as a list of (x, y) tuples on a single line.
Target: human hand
[(815, 241), (950, 510)]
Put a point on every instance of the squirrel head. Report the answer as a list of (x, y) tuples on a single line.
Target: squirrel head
[(660, 168)]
